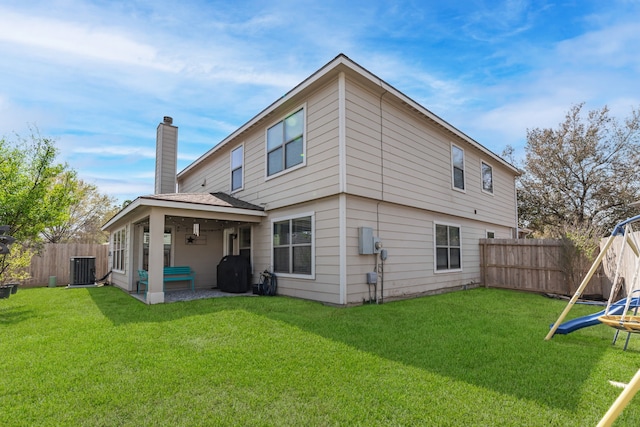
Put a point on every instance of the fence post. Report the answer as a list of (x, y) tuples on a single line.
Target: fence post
[(483, 263)]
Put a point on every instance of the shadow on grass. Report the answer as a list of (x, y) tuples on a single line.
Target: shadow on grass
[(121, 308), (13, 315), (489, 338)]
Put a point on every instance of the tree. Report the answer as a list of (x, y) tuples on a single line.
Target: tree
[(580, 244), (36, 191), (87, 213), (14, 266), (584, 173)]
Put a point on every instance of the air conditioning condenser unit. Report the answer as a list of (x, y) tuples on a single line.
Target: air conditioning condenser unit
[(82, 270)]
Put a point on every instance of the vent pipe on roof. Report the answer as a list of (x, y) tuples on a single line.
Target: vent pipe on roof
[(166, 157)]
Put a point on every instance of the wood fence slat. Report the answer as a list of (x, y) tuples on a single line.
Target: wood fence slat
[(528, 265), (55, 258)]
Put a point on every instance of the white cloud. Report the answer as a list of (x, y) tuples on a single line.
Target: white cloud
[(189, 157), (18, 119), (117, 151), (121, 186), (99, 76), (169, 58), (610, 47), (511, 121), (55, 37)]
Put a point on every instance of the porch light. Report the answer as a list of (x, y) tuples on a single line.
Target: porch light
[(196, 229)]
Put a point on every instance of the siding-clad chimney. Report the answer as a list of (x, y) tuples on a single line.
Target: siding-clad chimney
[(166, 157)]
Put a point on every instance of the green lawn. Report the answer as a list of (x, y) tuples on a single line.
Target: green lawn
[(95, 356)]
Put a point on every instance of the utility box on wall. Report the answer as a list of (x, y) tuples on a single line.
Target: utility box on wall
[(372, 278), (367, 241)]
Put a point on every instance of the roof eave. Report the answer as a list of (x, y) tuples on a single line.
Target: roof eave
[(340, 59), (343, 60), (189, 206), (123, 212)]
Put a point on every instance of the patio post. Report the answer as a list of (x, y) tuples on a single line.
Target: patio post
[(155, 293)]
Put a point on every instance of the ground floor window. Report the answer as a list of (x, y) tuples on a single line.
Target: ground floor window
[(118, 249), (244, 242), (448, 248), (166, 248), (293, 245)]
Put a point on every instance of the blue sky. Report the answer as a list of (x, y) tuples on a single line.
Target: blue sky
[(98, 76)]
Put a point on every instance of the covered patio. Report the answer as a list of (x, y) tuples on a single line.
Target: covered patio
[(179, 229), (189, 295)]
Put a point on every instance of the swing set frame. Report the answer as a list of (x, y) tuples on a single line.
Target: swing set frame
[(624, 321)]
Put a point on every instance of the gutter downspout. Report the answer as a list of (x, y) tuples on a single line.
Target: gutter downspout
[(381, 264)]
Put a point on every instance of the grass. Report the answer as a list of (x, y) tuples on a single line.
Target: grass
[(96, 357)]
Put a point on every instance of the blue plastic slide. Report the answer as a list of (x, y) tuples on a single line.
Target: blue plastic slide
[(592, 319)]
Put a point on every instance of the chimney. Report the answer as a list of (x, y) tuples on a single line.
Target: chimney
[(166, 157)]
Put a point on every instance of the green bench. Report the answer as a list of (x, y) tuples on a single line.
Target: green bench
[(170, 274)]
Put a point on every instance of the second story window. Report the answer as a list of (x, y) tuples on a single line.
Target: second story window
[(457, 163), (237, 161), (487, 178), (285, 143)]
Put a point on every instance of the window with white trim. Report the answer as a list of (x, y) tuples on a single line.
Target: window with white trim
[(293, 245), (118, 247), (237, 163), (491, 234), (244, 242), (487, 177), (167, 247), (457, 167), (285, 143), (448, 247)]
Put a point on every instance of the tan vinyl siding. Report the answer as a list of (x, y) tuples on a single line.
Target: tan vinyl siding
[(398, 182), (363, 137), (212, 173), (408, 161), (318, 178), (325, 286), (407, 234)]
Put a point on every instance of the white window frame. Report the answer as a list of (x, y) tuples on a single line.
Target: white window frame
[(285, 170), (482, 165), (435, 248), (119, 250), (464, 174), (250, 247), (312, 275), (241, 167), (167, 230), (486, 234)]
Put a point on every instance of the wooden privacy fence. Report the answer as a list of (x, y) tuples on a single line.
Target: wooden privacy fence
[(529, 265), (55, 260)]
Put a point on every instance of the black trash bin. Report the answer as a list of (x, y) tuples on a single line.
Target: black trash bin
[(234, 274)]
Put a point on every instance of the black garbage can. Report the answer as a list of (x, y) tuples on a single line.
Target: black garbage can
[(234, 274)]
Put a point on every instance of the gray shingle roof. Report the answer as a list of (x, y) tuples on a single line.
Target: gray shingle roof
[(210, 199)]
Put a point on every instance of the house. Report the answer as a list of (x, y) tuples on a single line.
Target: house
[(345, 187)]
